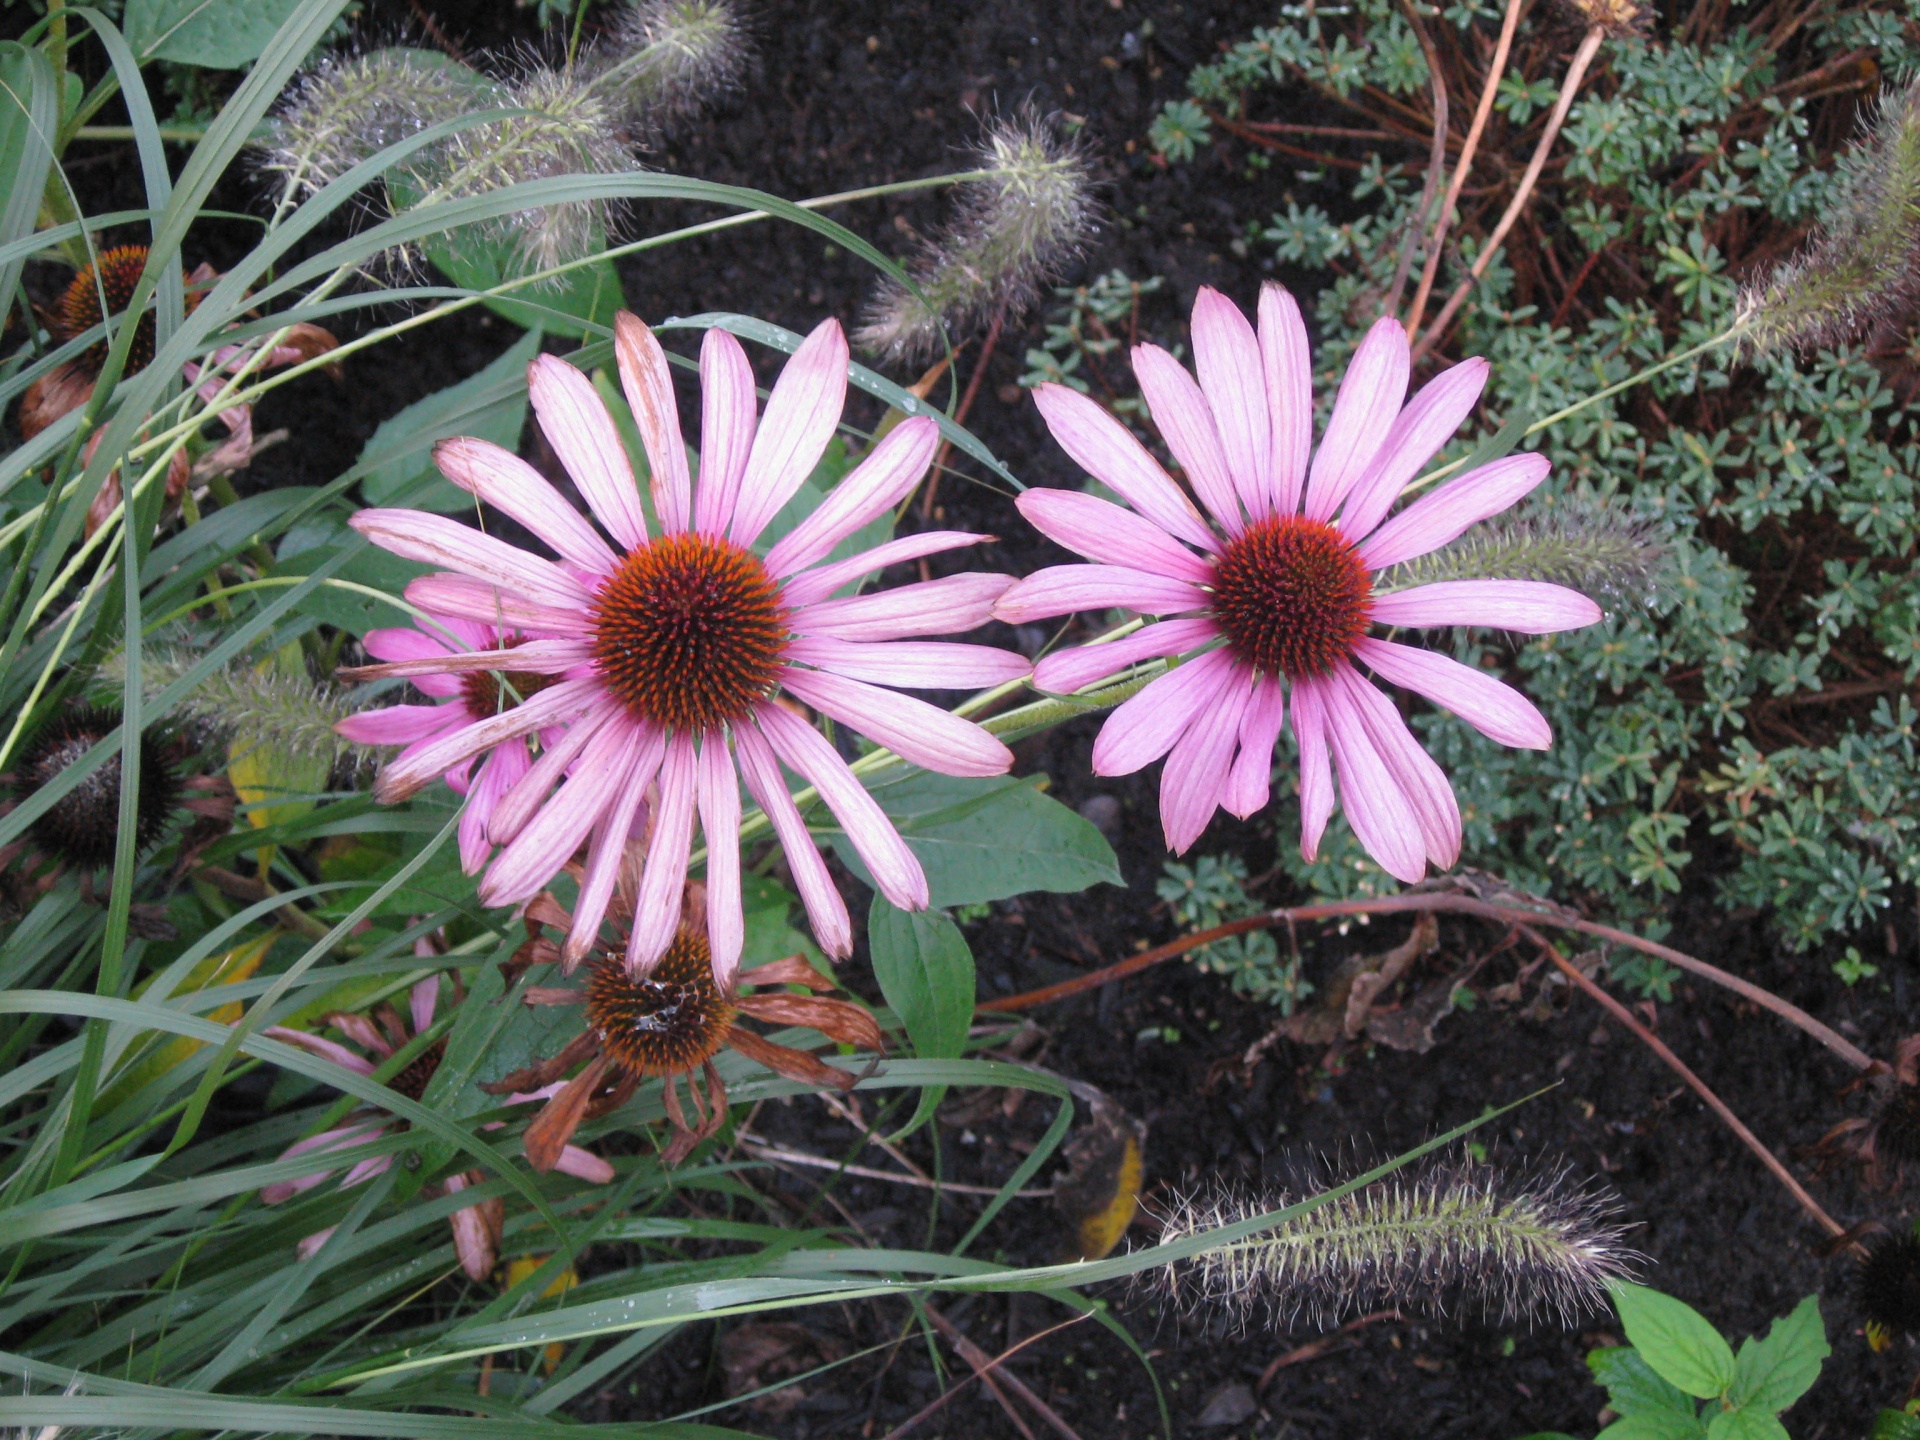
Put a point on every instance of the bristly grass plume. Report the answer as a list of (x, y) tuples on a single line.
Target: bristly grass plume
[(664, 59), (1864, 265), (1447, 1235), (1016, 228), (1588, 545)]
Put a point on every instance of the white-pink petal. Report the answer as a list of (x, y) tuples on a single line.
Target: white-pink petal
[(801, 413), (911, 664), (1378, 811), (1316, 773), (826, 911), (576, 423), (1363, 413), (1428, 422), (401, 724), (813, 586), (656, 918), (1496, 710), (404, 643), (1070, 589), (535, 657), (1250, 778), (648, 384), (523, 801), (470, 599), (1450, 511), (1179, 408), (537, 853), (436, 540), (1526, 607), (728, 407), (513, 487), (584, 1165), (606, 853), (1287, 368), (1110, 534), (914, 730), (330, 1050), (552, 706), (950, 605), (1419, 777), (1144, 728), (874, 486), (1107, 450), (1195, 775), (422, 1001), (498, 772), (1226, 356), (1065, 671), (719, 797)]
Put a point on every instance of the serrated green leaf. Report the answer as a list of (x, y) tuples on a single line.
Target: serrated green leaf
[(1631, 1385), (1675, 1339), (1654, 1427), (1771, 1374), (925, 972), (1895, 1425), (491, 405), (1752, 1423)]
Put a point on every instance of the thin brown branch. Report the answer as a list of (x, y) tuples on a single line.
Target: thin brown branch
[(1325, 1344), (1436, 159), (440, 37), (775, 1154), (908, 1425), (960, 415), (981, 1361)]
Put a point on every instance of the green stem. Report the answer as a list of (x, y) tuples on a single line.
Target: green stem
[(176, 134)]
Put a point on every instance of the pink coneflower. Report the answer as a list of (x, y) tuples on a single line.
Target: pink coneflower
[(687, 635), (476, 1228), (465, 698), (1279, 589)]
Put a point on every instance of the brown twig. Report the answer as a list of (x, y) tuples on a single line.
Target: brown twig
[(1314, 1349), (979, 1360), (1436, 159), (1444, 903), (960, 414), (907, 1425), (760, 1149), (1576, 72), (433, 29)]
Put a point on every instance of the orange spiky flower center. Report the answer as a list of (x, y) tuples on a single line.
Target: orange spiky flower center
[(668, 1022), (111, 279), (1291, 596), (689, 631), (483, 694), (414, 1077)]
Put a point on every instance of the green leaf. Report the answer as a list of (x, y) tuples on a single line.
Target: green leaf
[(1749, 1424), (310, 543), (491, 405), (580, 303), (981, 840), (27, 120), (1895, 1425), (1675, 1339), (1632, 1387), (1771, 1374), (770, 932), (213, 34), (1654, 1427), (925, 971)]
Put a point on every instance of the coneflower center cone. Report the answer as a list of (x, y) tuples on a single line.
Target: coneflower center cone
[(1291, 596), (689, 631), (666, 1023), (113, 278), (413, 1078), (82, 826), (483, 693)]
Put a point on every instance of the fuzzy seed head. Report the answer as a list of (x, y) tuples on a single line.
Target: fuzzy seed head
[(1291, 596), (1014, 231), (664, 59), (1595, 548), (671, 1021), (1889, 1284), (82, 827), (1458, 1234)]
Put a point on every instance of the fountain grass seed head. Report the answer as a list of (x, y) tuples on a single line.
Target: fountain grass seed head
[(662, 60)]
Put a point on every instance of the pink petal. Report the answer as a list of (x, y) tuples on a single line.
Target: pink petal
[(1448, 512), (1287, 369), (584, 1164), (1526, 607), (1066, 671), (472, 1239), (498, 774), (609, 849), (477, 600), (403, 644), (422, 1000), (1497, 711), (728, 407), (1180, 409), (826, 911), (1110, 534), (326, 1049), (648, 384), (873, 487), (551, 706), (1144, 728), (656, 917), (576, 423), (523, 801), (1249, 781), (363, 1032), (1106, 450), (366, 1170), (1419, 776), (1316, 774), (343, 1138), (801, 413), (719, 795), (436, 540), (310, 1245), (816, 585), (536, 657), (400, 724), (1069, 589), (1418, 432), (911, 664), (1226, 353), (894, 867), (1363, 413), (948, 606), (1196, 771), (1376, 808), (912, 729), (548, 841), (513, 487)]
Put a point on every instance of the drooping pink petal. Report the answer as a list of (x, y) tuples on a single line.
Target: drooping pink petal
[(400, 724), (1287, 368), (912, 729), (607, 850), (326, 1049), (343, 1138), (363, 1032), (1066, 671), (874, 486), (1419, 777), (1428, 422), (1250, 778), (584, 1165), (404, 643), (519, 805), (469, 599), (436, 540), (1448, 512), (801, 413), (895, 869), (728, 409), (648, 384), (422, 1001), (547, 842), (576, 423), (551, 706), (1069, 589), (1110, 534), (719, 795), (950, 605), (1144, 728), (498, 774), (1180, 410), (1363, 413), (1107, 450), (472, 1236), (535, 657), (1496, 710), (1526, 607), (911, 664), (1316, 774), (1379, 813), (826, 911), (656, 916), (310, 1245), (1226, 355), (1195, 775), (366, 1170), (513, 487), (814, 586)]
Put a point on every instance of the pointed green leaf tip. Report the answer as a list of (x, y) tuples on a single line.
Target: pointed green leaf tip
[(1771, 1374), (1675, 1340)]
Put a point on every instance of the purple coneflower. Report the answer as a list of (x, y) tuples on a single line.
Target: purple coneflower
[(684, 635), (1278, 591)]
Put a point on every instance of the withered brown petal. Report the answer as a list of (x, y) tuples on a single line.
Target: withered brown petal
[(553, 1127), (794, 1064), (836, 1019), (794, 970), (64, 388)]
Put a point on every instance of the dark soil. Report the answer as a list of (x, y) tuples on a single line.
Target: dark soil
[(857, 92)]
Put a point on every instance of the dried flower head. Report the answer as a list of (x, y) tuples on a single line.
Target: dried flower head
[(1889, 1285), (1621, 19), (1016, 229), (82, 827), (1864, 265), (663, 59), (1444, 1235), (1587, 545)]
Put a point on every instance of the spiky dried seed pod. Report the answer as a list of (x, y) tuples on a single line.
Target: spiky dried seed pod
[(1590, 546), (1896, 1127), (1448, 1233), (1888, 1286), (1015, 229), (668, 1022), (1864, 264), (82, 827), (664, 59)]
